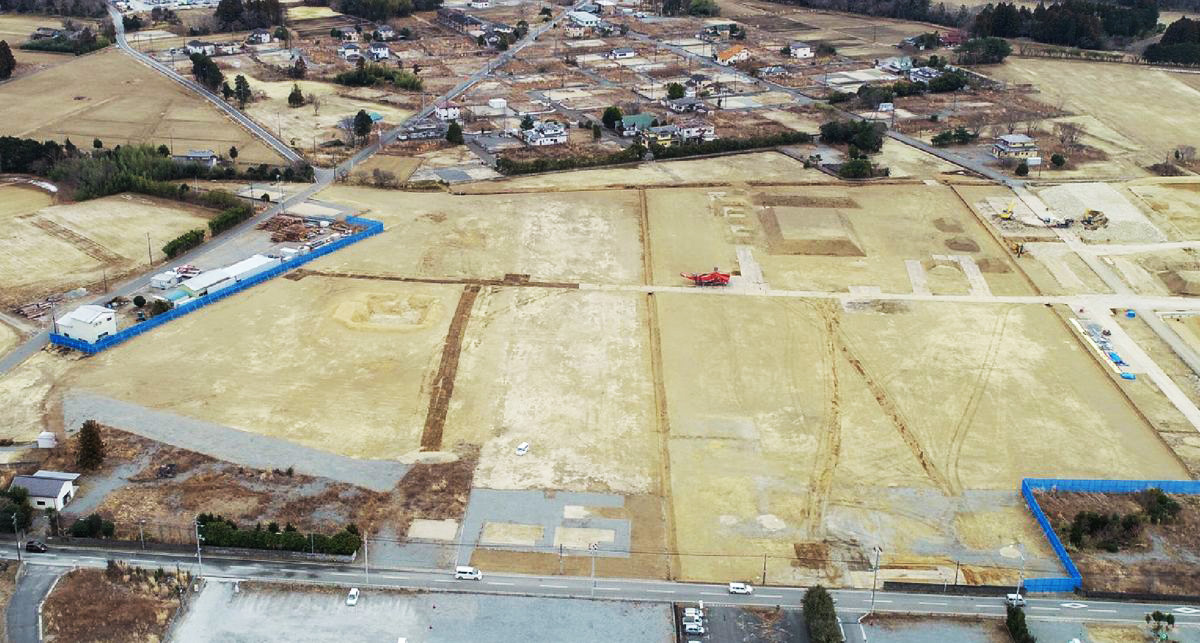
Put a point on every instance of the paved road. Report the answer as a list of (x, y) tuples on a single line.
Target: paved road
[(21, 618), (851, 603)]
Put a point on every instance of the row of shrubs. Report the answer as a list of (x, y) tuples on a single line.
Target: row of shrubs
[(509, 166), (730, 145), (229, 218), (183, 243), (221, 532), (63, 45)]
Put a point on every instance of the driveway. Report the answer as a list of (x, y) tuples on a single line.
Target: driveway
[(32, 587)]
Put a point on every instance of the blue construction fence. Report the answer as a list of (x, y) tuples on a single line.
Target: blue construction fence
[(1074, 580), (370, 229)]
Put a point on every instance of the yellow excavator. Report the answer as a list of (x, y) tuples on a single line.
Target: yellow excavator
[(1007, 213)]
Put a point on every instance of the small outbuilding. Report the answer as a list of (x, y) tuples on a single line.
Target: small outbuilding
[(88, 323), (48, 489)]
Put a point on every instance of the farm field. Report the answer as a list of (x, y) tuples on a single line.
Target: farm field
[(8, 337), (59, 247), (1157, 113), (122, 102)]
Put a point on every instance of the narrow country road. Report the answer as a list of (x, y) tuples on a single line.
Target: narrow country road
[(21, 619)]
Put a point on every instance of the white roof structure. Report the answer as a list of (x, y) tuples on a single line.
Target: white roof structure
[(205, 280), (1016, 139), (247, 265), (56, 475), (88, 314)]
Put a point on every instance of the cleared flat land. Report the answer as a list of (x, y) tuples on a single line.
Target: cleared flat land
[(1157, 109), (301, 127), (8, 337), (58, 247), (333, 364), (583, 236), (109, 96), (1171, 203)]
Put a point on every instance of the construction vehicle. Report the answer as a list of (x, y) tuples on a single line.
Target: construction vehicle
[(714, 278), (1007, 213), (1094, 220)]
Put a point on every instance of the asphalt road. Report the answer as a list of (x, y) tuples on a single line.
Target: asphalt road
[(851, 603), (21, 618)]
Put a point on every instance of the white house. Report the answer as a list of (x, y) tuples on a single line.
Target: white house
[(584, 19), (622, 52), (734, 54), (206, 283), (347, 49), (48, 489), (800, 50), (88, 323), (574, 31), (481, 4), (447, 111), (228, 48), (259, 36), (545, 134), (201, 47), (207, 158), (379, 51), (350, 35), (386, 32), (1014, 146), (696, 130)]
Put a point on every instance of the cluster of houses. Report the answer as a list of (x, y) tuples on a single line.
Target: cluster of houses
[(377, 49), (257, 37), (952, 38), (646, 130), (492, 32), (903, 66)]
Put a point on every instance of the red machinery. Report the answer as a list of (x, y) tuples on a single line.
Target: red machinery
[(714, 278)]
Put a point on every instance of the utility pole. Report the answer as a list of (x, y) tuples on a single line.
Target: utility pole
[(367, 558), (199, 558), (764, 578), (149, 252), (593, 547), (141, 532), (875, 579)]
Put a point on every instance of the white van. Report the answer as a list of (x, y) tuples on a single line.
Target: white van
[(468, 573), (1015, 600)]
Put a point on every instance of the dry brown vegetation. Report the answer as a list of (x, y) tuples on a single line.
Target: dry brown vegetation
[(117, 604), (8, 585)]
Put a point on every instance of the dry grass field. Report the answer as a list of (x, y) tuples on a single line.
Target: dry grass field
[(121, 604), (59, 247), (109, 96), (15, 29), (9, 337), (1157, 110), (400, 166)]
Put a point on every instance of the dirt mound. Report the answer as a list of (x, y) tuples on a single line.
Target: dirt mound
[(947, 225), (962, 244), (993, 265), (809, 231)]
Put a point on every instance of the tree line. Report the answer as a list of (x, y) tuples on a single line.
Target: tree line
[(79, 8), (236, 15), (222, 532), (380, 10), (919, 10), (1074, 23), (1180, 44)]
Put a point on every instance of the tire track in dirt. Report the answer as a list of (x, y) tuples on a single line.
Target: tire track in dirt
[(644, 221), (443, 382), (897, 418), (829, 446), (80, 242), (663, 425), (962, 427)]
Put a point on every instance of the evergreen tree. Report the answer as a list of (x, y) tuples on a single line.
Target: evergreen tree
[(7, 62), (362, 124), (241, 90), (233, 152), (91, 446), (454, 133), (296, 97)]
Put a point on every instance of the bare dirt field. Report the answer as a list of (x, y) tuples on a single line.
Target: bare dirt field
[(57, 247), (577, 237), (118, 604), (9, 337), (840, 419), (109, 96), (1158, 111), (1171, 203), (401, 167), (828, 238), (356, 357)]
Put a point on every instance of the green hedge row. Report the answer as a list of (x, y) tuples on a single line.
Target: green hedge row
[(63, 45), (183, 243), (729, 145), (627, 155), (220, 532), (229, 218)]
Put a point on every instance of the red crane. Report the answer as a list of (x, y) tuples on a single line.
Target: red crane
[(714, 278)]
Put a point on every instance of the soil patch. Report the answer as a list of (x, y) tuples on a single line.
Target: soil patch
[(962, 244)]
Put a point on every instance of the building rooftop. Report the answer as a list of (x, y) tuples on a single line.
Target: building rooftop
[(87, 314), (1016, 139), (56, 475), (205, 280), (40, 487)]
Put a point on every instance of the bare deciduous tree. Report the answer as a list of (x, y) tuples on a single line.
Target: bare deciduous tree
[(315, 101), (1068, 134)]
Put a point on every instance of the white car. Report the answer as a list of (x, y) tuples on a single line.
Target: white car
[(523, 448), (1015, 600), (352, 597), (740, 588)]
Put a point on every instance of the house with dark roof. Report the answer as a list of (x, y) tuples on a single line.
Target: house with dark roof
[(48, 489)]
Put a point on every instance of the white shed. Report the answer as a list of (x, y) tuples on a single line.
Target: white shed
[(48, 489), (247, 268), (164, 280), (206, 282), (88, 323), (47, 440)]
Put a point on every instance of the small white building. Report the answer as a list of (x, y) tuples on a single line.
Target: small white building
[(48, 489), (800, 50), (247, 268), (228, 48), (447, 111), (545, 134), (259, 36), (164, 280), (201, 47), (348, 49), (88, 323), (206, 283), (734, 54), (206, 158), (622, 52), (379, 51), (574, 31), (481, 4), (1014, 146), (386, 32), (584, 19)]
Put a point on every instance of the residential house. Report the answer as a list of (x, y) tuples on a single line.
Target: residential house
[(386, 33), (379, 51), (228, 48), (1014, 146), (731, 55), (259, 36), (923, 74), (584, 19), (896, 64), (718, 27), (351, 35), (772, 70), (953, 38), (631, 124), (685, 104), (88, 323), (574, 31), (662, 135), (481, 4), (48, 489), (622, 52), (447, 111), (592, 8), (424, 129), (42, 33), (546, 133), (345, 50), (695, 131), (353, 58), (457, 20), (201, 47), (800, 50), (207, 158)]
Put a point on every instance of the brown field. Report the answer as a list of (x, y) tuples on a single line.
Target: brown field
[(1157, 112), (9, 337), (122, 604), (401, 166), (62, 246), (121, 102)]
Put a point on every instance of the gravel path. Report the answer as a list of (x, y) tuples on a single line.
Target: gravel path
[(224, 443)]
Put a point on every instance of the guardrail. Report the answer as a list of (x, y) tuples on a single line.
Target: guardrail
[(1074, 580), (370, 229)]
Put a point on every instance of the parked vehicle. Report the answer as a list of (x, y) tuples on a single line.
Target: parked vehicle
[(36, 547), (523, 448), (740, 588), (468, 573), (693, 611), (1014, 600), (352, 597), (693, 628)]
